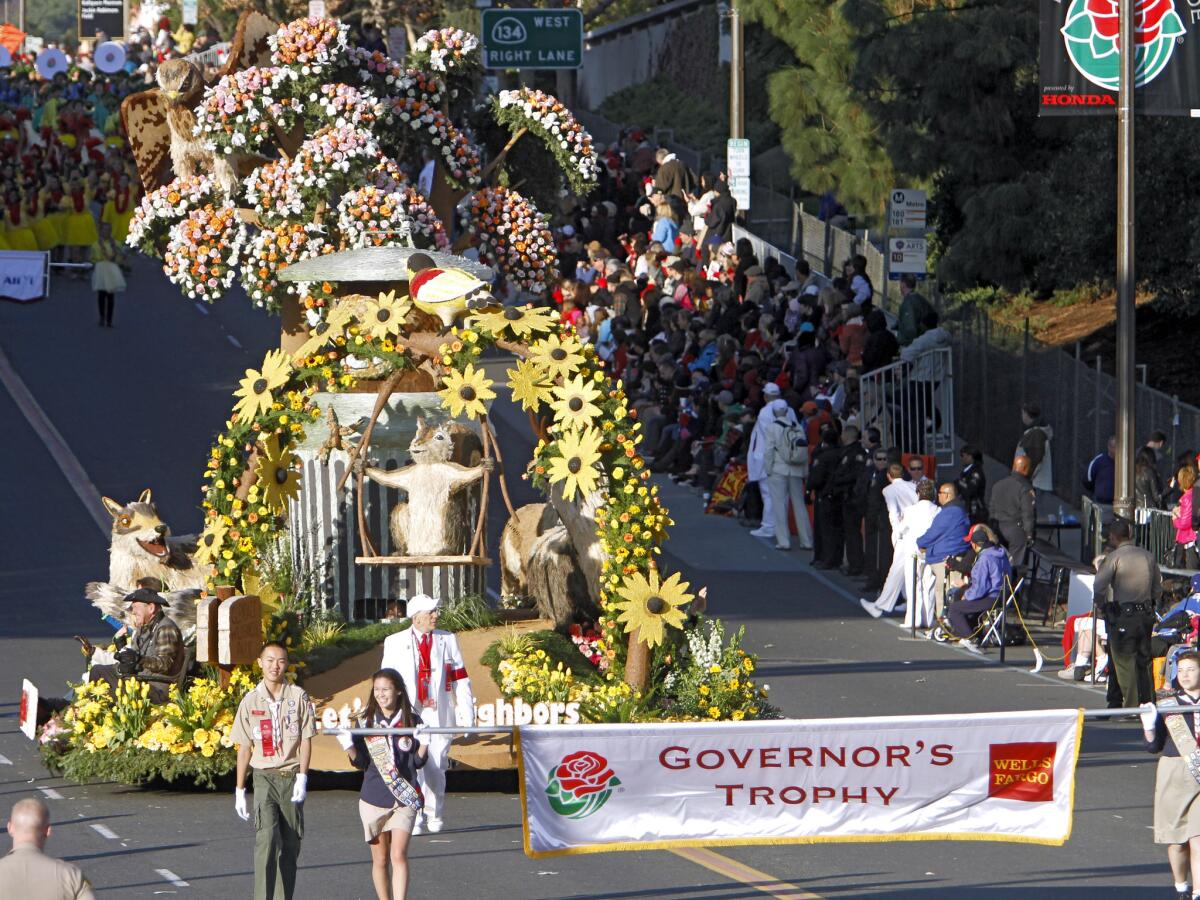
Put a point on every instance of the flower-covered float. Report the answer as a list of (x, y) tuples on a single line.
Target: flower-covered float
[(331, 143)]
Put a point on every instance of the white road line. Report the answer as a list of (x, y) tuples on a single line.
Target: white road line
[(236, 343), (51, 793), (104, 831), (200, 306), (4, 760), (68, 463), (168, 875)]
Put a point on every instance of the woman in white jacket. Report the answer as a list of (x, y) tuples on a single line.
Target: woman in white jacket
[(785, 479), (908, 577)]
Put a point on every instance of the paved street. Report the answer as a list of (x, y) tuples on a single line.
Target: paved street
[(136, 407)]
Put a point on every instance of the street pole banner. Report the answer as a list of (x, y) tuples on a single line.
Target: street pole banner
[(22, 274), (989, 777), (1079, 56)]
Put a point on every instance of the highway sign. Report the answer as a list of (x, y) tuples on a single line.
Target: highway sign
[(532, 39)]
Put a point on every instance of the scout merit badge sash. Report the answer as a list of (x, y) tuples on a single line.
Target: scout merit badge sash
[(380, 748), (1184, 739)]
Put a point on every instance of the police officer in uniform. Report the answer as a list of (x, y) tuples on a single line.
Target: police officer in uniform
[(827, 518), (851, 470), (27, 872), (1132, 575), (273, 731)]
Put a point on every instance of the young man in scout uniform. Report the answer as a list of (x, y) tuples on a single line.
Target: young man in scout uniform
[(274, 728), (435, 678)]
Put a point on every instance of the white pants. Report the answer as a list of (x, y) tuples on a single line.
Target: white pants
[(920, 611), (780, 488), (899, 581), (432, 775), (768, 520)]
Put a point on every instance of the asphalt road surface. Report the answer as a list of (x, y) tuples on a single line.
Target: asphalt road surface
[(88, 412)]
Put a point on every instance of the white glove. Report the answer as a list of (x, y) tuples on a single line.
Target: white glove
[(239, 804), (1149, 716), (421, 732), (300, 791), (345, 741)]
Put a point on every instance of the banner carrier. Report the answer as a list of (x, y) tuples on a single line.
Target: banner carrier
[(1124, 712)]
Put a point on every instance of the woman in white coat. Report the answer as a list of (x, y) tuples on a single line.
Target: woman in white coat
[(908, 577), (785, 479), (756, 470)]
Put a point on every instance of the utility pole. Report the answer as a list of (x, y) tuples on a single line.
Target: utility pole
[(1126, 311), (737, 74)]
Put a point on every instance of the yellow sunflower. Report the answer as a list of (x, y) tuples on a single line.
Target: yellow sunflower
[(386, 315), (277, 477), (576, 466), (557, 355), (466, 392), (575, 403), (208, 547), (648, 605), (327, 329), (256, 388), (518, 321), (529, 383)]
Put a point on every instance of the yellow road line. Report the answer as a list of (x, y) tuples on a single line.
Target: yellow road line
[(744, 874)]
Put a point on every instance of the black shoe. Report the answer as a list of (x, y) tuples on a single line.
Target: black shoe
[(852, 573), (821, 564)]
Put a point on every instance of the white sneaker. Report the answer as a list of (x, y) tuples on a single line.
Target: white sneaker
[(872, 610), (970, 645), (434, 825), (419, 825), (763, 532)]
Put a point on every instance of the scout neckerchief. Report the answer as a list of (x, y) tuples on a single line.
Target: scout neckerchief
[(272, 726), (383, 756), (1184, 737)]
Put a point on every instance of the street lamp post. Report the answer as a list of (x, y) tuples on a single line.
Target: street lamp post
[(737, 73), (1126, 312)]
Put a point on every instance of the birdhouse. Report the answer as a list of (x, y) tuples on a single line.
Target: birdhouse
[(239, 631), (206, 629)]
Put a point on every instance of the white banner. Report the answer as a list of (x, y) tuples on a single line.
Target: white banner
[(991, 776), (22, 274)]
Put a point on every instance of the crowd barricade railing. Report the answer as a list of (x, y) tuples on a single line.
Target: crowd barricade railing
[(1154, 531), (912, 404)]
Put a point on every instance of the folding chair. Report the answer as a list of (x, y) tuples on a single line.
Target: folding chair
[(995, 630)]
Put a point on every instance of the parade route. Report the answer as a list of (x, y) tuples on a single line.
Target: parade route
[(137, 406)]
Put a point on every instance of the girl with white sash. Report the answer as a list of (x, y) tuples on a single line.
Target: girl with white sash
[(1171, 728), (390, 798)]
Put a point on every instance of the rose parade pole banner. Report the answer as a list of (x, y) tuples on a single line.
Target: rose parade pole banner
[(22, 274), (992, 776), (1079, 56)]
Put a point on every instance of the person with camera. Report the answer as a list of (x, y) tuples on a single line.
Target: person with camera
[(1177, 781), (1133, 576), (154, 654)]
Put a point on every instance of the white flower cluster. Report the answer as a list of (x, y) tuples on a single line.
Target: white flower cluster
[(345, 106), (310, 44), (238, 113), (393, 80), (459, 155), (164, 206), (512, 235), (203, 252), (448, 49), (704, 651), (553, 121), (369, 217), (271, 251)]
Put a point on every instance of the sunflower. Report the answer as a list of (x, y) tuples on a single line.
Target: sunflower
[(559, 356), (256, 387), (529, 383), (648, 605), (576, 466), (327, 329), (385, 315), (208, 547), (277, 478), (518, 321), (575, 403), (466, 391)]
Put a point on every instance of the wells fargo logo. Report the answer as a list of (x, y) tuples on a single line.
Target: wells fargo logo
[(581, 784), (1091, 38), (1022, 771)]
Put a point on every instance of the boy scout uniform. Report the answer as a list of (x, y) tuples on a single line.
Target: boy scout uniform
[(274, 730), (30, 874)]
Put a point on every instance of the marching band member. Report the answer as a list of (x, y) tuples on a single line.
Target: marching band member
[(435, 678)]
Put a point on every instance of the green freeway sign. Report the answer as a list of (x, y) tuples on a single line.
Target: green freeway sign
[(532, 39)]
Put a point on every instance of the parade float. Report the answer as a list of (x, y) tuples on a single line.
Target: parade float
[(359, 458)]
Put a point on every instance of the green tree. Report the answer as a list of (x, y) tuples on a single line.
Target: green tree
[(832, 138), (54, 20)]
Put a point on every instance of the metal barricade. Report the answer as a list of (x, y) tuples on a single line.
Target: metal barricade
[(912, 404), (1154, 531)]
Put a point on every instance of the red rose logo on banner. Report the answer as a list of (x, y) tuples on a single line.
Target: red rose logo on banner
[(581, 784), (1147, 23)]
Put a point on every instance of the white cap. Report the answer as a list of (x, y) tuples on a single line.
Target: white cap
[(419, 603), (771, 389)]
